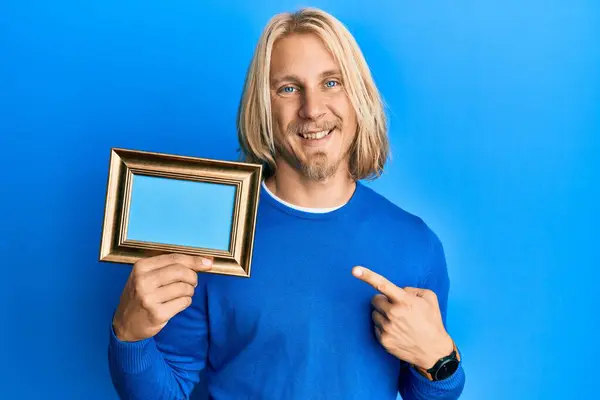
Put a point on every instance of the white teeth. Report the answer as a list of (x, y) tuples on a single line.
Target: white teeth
[(316, 135)]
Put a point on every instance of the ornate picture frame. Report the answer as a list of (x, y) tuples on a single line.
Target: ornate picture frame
[(241, 180)]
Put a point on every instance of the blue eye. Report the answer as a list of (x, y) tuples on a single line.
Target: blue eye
[(331, 83), (288, 89)]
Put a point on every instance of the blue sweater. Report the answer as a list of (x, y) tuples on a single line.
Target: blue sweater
[(300, 327)]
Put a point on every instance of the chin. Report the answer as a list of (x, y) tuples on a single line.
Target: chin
[(319, 167), (316, 159)]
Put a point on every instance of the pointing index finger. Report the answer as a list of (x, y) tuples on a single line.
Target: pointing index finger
[(380, 283)]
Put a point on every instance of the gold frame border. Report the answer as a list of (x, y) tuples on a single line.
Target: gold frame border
[(124, 163)]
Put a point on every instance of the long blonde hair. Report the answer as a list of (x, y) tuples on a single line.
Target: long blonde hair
[(370, 150)]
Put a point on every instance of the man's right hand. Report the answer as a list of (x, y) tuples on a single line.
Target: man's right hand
[(158, 288)]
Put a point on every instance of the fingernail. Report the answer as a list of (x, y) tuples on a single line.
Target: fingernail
[(358, 271), (206, 261)]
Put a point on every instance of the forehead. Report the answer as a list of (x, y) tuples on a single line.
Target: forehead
[(303, 55)]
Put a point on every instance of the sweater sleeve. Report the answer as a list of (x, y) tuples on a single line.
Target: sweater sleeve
[(412, 385), (168, 365)]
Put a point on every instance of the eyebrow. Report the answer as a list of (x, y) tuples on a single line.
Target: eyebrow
[(296, 78)]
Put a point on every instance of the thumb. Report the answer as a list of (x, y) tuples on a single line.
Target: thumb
[(414, 291), (203, 264), (426, 294)]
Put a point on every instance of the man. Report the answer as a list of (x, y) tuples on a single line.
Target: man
[(348, 293)]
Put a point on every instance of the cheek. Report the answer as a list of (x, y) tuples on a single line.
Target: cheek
[(348, 117), (283, 115), (342, 108)]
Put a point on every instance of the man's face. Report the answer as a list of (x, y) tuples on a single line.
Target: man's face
[(313, 118)]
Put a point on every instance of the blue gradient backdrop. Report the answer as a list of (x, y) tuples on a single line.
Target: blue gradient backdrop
[(495, 125)]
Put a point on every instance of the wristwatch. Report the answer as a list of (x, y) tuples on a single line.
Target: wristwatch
[(443, 368)]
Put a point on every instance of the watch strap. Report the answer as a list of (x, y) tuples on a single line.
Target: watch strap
[(430, 373)]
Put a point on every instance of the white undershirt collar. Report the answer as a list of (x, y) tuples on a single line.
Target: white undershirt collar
[(305, 209)]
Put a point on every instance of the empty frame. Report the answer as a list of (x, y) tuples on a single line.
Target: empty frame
[(160, 203)]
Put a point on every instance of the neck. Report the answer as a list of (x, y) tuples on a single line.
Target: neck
[(291, 186)]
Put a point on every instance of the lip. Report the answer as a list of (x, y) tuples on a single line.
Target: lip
[(315, 131), (316, 142)]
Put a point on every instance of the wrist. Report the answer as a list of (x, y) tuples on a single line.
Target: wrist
[(438, 349), (443, 367), (120, 332)]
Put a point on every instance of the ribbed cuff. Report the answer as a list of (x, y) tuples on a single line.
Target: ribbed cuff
[(438, 389), (131, 357)]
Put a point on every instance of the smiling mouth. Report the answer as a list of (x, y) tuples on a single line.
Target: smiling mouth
[(315, 135)]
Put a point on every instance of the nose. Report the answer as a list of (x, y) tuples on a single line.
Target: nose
[(313, 106)]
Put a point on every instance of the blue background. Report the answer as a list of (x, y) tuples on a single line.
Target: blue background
[(180, 212), (494, 121)]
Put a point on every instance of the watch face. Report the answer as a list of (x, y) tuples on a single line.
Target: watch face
[(446, 370)]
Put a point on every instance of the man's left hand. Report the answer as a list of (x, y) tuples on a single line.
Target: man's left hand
[(407, 321)]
